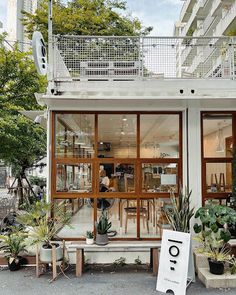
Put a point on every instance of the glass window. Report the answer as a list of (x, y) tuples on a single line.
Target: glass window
[(153, 218), (118, 177), (217, 135), (159, 177), (159, 136), (74, 135), (117, 136), (218, 177), (82, 218), (74, 178), (122, 215)]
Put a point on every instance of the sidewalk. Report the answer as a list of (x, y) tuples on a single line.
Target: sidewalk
[(24, 282)]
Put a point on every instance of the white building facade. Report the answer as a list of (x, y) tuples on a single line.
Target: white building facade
[(15, 28), (207, 18), (133, 107)]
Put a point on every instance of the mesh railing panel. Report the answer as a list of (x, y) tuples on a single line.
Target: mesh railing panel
[(131, 58)]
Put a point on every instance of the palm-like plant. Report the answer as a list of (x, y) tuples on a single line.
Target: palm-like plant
[(218, 253), (42, 227), (13, 244), (179, 213)]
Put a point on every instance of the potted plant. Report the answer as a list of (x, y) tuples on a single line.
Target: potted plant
[(13, 244), (42, 228), (217, 252), (213, 233), (102, 226), (89, 237), (179, 212), (217, 256), (214, 221)]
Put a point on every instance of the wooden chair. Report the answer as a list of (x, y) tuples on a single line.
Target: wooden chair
[(131, 213), (161, 219)]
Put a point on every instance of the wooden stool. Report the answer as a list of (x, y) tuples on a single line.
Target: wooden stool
[(222, 182), (54, 262)]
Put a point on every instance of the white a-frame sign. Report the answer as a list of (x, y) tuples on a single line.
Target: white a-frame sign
[(176, 263)]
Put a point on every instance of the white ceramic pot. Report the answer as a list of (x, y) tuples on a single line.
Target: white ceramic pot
[(46, 253), (89, 241)]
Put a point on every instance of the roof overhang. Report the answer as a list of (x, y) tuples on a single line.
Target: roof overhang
[(142, 95)]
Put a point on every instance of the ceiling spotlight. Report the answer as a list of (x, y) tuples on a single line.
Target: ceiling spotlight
[(124, 118)]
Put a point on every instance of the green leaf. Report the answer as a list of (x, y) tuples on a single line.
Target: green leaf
[(197, 228), (214, 228), (225, 235)]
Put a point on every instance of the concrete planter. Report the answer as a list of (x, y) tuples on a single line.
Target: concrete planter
[(200, 261), (101, 239), (46, 253)]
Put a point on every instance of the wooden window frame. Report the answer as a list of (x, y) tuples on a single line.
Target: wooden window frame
[(206, 160), (95, 162)]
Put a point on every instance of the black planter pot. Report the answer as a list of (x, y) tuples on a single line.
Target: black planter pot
[(15, 265), (216, 267), (232, 230)]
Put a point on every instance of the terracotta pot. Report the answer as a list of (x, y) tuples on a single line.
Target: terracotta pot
[(216, 267), (46, 253)]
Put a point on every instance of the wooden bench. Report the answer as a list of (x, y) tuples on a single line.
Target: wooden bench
[(129, 246)]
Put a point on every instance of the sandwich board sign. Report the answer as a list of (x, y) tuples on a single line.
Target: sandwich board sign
[(176, 263)]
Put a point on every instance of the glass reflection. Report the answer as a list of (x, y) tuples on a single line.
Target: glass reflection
[(159, 177), (217, 135), (74, 135), (117, 136), (74, 178), (159, 135), (82, 218)]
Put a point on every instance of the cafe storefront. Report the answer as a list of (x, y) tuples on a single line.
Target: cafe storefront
[(115, 116)]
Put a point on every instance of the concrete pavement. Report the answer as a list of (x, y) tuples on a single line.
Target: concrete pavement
[(98, 282)]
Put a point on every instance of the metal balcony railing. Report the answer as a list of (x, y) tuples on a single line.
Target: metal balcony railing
[(186, 9), (225, 21), (87, 58)]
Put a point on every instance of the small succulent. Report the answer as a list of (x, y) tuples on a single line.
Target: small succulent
[(89, 234)]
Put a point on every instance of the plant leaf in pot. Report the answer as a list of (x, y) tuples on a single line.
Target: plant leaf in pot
[(179, 212), (13, 244), (213, 234), (102, 226), (217, 256), (44, 228), (89, 237)]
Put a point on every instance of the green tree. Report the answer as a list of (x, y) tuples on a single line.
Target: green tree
[(22, 141), (85, 17)]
